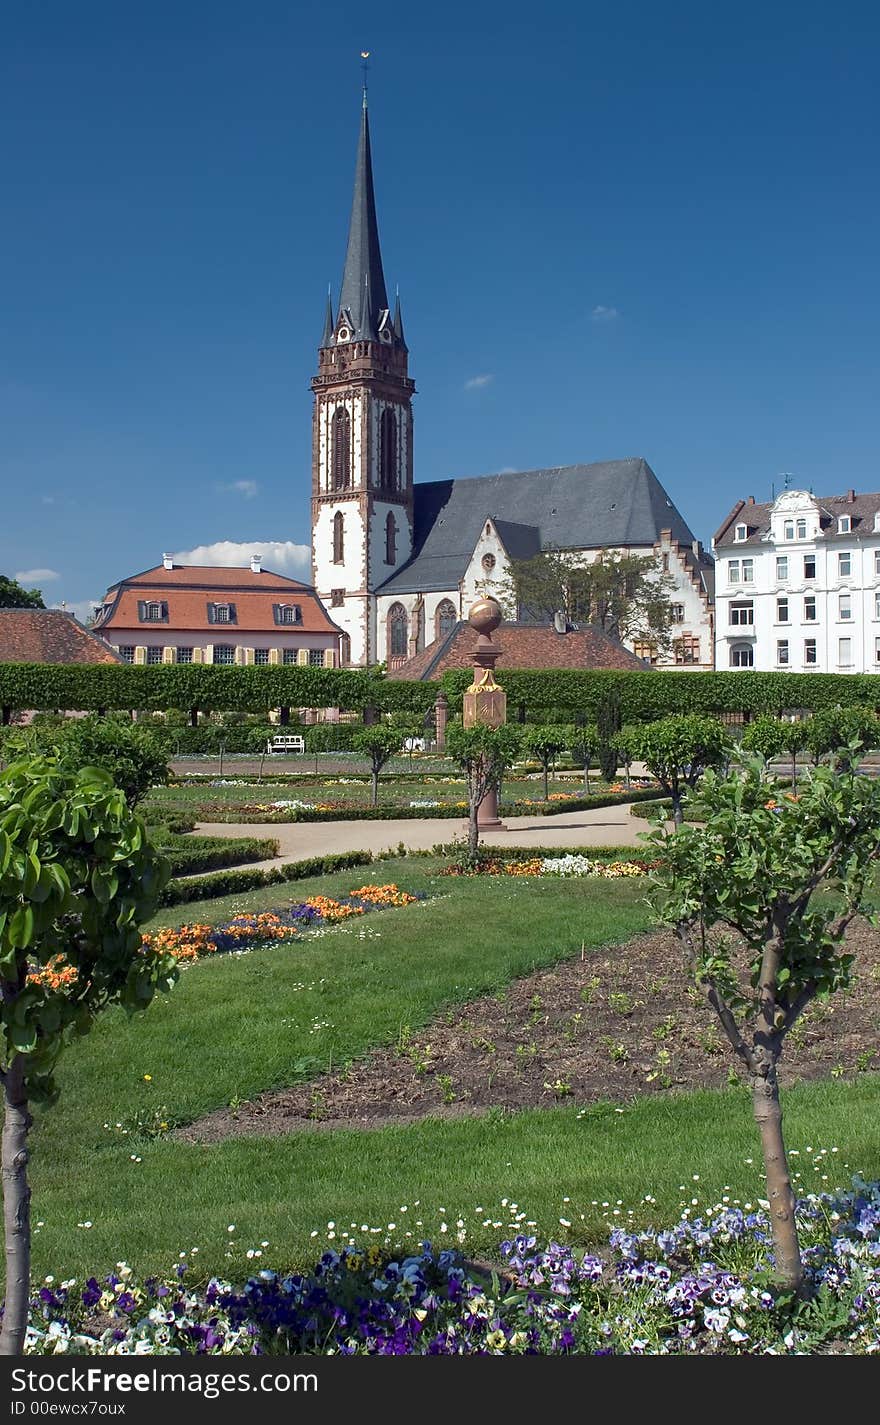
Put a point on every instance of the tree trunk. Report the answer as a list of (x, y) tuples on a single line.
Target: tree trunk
[(586, 776), (788, 1270), (375, 776), (546, 781), (473, 836), (262, 763), (193, 717), (677, 814), (794, 771), (16, 1210)]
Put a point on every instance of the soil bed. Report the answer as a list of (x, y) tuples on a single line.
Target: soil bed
[(618, 1022)]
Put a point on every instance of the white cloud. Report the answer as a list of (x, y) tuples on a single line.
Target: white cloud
[(477, 382), (36, 576), (82, 609), (509, 470), (604, 314), (247, 488), (47, 499), (283, 556)]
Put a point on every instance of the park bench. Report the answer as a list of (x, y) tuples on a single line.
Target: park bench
[(286, 742)]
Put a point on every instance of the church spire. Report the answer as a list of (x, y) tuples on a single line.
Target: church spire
[(363, 259), (327, 338)]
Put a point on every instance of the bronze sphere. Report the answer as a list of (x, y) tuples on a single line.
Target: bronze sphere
[(485, 615)]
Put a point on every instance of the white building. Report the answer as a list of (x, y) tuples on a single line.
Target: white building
[(797, 584)]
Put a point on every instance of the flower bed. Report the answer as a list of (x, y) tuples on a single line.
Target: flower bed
[(700, 1287), (248, 931), (570, 864)]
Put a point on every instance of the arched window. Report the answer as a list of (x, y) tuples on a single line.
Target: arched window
[(445, 618), (742, 655), (388, 450), (398, 631), (390, 539), (338, 538), (340, 460)]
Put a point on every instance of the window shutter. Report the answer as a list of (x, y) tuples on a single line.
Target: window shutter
[(233, 617), (209, 654), (302, 657), (240, 654), (142, 610), (276, 612), (329, 658), (248, 655), (274, 655), (140, 655), (167, 655), (165, 611), (197, 655), (212, 613)]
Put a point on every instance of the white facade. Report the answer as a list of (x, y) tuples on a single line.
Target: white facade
[(798, 585)]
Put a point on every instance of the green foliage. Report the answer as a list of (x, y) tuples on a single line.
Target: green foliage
[(545, 743), (132, 754), (484, 751), (13, 596), (770, 737), (608, 724), (225, 883), (77, 877), (848, 733), (678, 750)]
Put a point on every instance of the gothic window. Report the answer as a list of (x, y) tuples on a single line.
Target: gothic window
[(340, 460), (398, 631), (446, 618), (388, 450), (338, 538), (390, 539)]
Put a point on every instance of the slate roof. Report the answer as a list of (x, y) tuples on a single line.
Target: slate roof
[(522, 646), (609, 504), (188, 589), (756, 517), (49, 636)]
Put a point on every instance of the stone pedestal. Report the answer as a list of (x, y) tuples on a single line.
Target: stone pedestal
[(485, 703)]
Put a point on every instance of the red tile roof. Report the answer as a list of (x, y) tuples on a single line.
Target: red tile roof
[(522, 645), (189, 589), (49, 636)]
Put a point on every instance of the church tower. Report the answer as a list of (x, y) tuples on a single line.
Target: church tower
[(362, 462)]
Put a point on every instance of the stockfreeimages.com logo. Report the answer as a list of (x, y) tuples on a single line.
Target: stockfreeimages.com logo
[(94, 1380)]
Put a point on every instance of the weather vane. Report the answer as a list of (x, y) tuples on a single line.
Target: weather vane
[(365, 56)]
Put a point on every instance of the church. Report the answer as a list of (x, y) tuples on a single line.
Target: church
[(398, 563)]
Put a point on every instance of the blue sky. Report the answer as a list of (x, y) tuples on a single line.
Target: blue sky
[(633, 230)]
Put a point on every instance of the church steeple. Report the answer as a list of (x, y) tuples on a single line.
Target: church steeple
[(363, 259)]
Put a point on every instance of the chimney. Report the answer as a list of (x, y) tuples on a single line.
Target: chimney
[(167, 561), (850, 497), (695, 546), (256, 563), (750, 500)]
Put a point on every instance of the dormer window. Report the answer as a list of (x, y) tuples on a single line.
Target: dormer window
[(221, 613), (788, 529), (287, 613), (844, 524), (801, 529), (152, 611), (741, 532)]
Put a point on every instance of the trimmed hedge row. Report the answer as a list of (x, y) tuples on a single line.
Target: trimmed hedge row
[(81, 687), (213, 853), (650, 695), (227, 883), (287, 816)]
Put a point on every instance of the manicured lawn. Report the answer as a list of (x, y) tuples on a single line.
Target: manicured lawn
[(552, 1164)]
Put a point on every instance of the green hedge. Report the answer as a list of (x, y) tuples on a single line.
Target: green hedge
[(80, 687), (562, 694), (227, 883), (211, 853), (280, 816)]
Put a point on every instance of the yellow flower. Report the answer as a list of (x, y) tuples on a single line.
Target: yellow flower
[(148, 1078)]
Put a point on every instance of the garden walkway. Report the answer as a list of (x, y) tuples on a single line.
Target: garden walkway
[(604, 826)]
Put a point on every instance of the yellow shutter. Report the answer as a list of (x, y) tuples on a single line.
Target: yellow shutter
[(208, 656), (239, 654), (329, 658), (302, 657), (168, 655), (197, 655), (274, 655), (140, 655), (248, 655)]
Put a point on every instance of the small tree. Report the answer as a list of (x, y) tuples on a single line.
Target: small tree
[(625, 744), (583, 747), (608, 724), (545, 743), (762, 867), (678, 750), (77, 877), (378, 744), (484, 754), (13, 596), (845, 733), (134, 756), (770, 737)]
